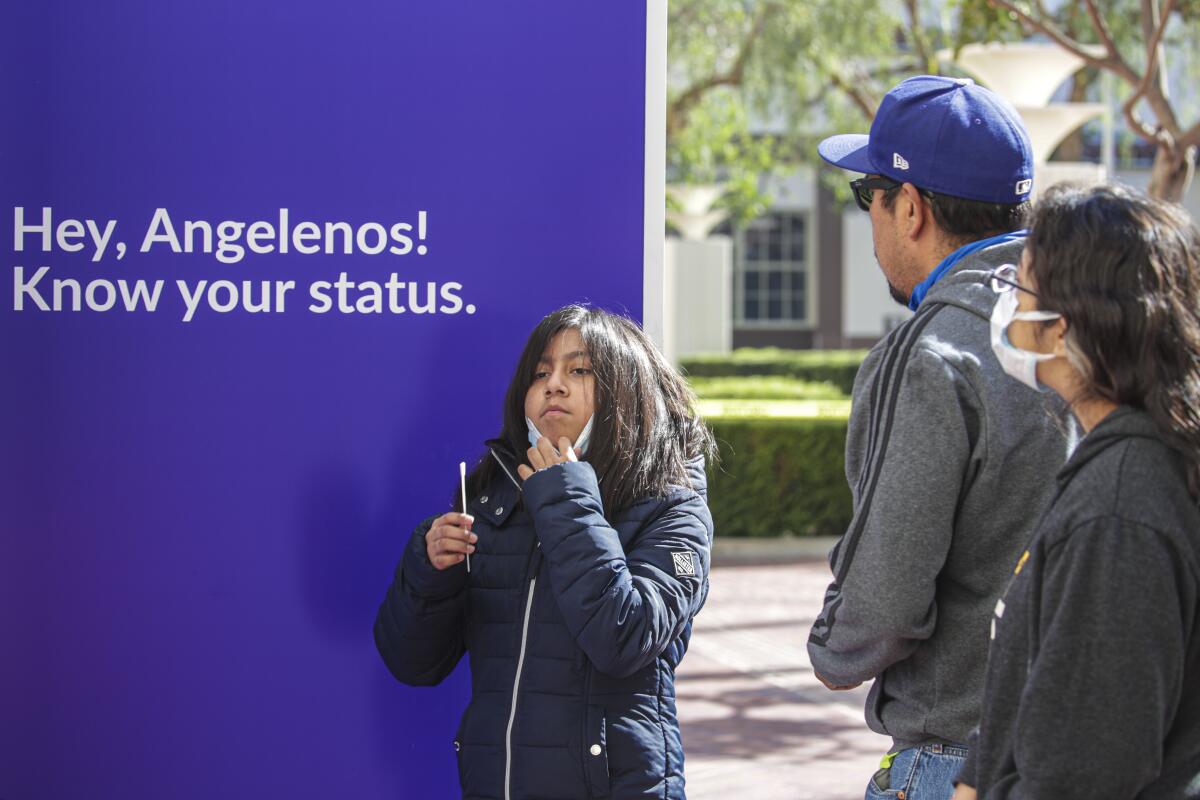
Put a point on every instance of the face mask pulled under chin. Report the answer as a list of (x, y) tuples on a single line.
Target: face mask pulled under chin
[(1017, 363), (581, 443)]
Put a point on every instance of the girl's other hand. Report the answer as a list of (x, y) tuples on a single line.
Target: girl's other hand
[(543, 456), (449, 540)]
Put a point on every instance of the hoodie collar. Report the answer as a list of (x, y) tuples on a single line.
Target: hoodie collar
[(1124, 423), (947, 264), (965, 284), (497, 501), (503, 456)]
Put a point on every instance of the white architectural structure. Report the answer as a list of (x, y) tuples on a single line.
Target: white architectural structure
[(697, 275), (698, 279), (1028, 74), (696, 216)]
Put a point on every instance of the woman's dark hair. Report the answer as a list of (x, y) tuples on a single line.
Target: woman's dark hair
[(1123, 270), (644, 430)]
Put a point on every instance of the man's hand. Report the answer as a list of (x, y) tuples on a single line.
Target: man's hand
[(964, 792), (449, 540), (830, 686), (543, 456)]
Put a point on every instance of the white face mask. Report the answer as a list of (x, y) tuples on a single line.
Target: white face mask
[(580, 444), (1018, 363)]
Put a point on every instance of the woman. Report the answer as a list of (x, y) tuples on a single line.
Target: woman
[(1093, 681), (588, 534)]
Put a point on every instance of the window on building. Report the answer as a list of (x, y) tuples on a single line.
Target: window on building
[(771, 276)]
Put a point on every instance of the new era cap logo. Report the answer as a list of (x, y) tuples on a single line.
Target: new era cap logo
[(684, 564), (898, 161), (1024, 186)]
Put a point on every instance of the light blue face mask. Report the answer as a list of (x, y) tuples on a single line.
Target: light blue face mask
[(580, 444), (1018, 363)]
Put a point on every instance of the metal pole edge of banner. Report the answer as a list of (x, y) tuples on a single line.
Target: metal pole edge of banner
[(654, 200)]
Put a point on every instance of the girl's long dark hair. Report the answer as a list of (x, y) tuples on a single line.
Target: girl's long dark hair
[(645, 428), (1123, 269)]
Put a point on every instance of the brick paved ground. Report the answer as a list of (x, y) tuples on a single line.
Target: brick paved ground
[(757, 725)]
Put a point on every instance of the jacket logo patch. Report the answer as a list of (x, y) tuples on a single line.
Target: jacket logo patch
[(684, 564)]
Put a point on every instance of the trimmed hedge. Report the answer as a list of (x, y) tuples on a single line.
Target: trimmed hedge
[(779, 477), (763, 387), (833, 366)]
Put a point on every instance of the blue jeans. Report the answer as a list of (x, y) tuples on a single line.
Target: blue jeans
[(918, 773)]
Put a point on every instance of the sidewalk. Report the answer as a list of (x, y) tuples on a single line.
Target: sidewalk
[(757, 725)]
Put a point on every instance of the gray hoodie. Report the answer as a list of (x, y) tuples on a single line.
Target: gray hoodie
[(951, 463)]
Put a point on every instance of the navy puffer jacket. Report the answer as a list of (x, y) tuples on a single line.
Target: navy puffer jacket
[(574, 623)]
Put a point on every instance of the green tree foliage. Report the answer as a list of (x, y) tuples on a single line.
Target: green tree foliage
[(754, 84), (716, 147)]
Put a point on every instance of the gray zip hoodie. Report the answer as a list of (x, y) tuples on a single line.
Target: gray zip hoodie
[(950, 463)]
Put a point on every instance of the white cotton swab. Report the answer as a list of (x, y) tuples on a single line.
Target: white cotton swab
[(462, 477)]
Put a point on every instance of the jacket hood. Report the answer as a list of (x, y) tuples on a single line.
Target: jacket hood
[(1121, 425), (966, 285), (697, 476)]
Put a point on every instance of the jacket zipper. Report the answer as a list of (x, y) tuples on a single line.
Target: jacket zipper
[(499, 461), (512, 714)]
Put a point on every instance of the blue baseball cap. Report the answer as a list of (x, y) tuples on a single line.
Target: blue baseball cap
[(947, 135)]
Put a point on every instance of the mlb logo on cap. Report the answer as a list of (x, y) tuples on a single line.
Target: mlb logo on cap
[(946, 135)]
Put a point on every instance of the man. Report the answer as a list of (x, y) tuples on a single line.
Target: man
[(950, 462)]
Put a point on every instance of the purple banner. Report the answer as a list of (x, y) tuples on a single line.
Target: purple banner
[(269, 268)]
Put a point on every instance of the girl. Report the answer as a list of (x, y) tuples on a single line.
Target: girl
[(1092, 677), (588, 534)]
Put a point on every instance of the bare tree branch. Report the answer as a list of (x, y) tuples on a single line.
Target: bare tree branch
[(1061, 39), (1114, 63), (915, 36), (1190, 138), (1156, 54), (1147, 18), (855, 87), (1140, 125), (678, 109), (858, 97), (1153, 67), (1102, 31)]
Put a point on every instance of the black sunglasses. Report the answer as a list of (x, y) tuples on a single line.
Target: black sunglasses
[(863, 189)]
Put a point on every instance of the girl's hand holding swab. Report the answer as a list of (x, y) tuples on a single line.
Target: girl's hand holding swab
[(450, 540)]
